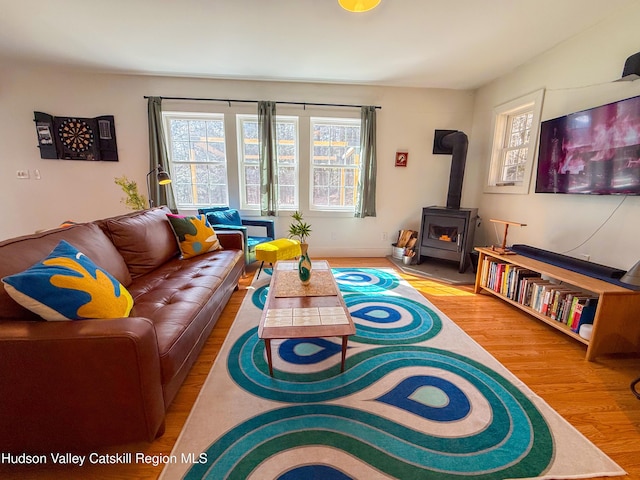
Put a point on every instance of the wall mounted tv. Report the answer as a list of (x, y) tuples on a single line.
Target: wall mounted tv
[(595, 151)]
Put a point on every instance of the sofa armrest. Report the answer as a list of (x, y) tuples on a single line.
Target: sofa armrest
[(231, 239), (79, 384), (268, 224)]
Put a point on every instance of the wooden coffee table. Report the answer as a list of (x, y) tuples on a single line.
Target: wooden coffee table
[(296, 311)]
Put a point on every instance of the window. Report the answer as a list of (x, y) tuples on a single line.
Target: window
[(287, 151), (196, 148), (515, 130), (214, 160), (335, 163)]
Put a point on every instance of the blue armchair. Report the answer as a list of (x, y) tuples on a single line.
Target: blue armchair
[(225, 218)]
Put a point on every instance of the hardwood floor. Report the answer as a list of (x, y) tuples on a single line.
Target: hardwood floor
[(593, 396)]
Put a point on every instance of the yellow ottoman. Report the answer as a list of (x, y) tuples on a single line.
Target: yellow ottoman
[(278, 249)]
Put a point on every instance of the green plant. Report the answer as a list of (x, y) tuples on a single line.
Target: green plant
[(299, 228), (133, 199)]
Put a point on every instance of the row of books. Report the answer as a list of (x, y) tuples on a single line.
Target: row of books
[(560, 302)]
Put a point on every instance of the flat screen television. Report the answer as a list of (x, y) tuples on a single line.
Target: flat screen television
[(595, 151)]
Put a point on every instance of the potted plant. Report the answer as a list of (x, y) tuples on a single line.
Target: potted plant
[(301, 230), (133, 200)]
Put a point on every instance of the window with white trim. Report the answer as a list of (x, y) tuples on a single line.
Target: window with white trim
[(196, 149), (214, 160), (335, 163), (249, 165), (515, 129)]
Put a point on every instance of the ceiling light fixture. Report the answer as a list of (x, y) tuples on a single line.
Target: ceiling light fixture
[(358, 6)]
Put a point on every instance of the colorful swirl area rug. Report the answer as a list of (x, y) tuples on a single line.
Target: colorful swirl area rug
[(418, 399)]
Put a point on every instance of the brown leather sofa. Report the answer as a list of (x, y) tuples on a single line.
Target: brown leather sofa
[(79, 385)]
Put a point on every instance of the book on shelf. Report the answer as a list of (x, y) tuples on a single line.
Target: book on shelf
[(559, 295), (517, 275), (572, 308), (547, 298), (527, 289), (505, 278), (493, 271), (583, 311), (568, 306), (587, 316), (563, 314), (484, 275), (497, 283), (537, 294)]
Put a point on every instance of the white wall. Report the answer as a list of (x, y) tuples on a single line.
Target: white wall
[(577, 74), (82, 191)]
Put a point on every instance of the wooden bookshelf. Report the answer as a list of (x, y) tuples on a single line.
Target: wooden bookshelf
[(616, 325)]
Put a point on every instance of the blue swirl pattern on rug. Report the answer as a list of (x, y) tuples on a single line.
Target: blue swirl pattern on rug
[(430, 397), (309, 472), (389, 320), (366, 280), (511, 440), (307, 351), (259, 297), (379, 442)]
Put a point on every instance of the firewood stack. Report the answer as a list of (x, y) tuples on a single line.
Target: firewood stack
[(407, 239)]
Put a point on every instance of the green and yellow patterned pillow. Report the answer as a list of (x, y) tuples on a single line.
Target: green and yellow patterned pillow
[(67, 285), (195, 235)]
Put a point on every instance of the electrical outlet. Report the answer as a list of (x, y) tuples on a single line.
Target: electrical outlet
[(334, 236), (385, 237), (22, 174), (36, 174)]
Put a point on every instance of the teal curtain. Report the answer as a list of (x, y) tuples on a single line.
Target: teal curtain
[(268, 154), (366, 198), (158, 194)]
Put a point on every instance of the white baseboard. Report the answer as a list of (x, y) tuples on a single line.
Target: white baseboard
[(347, 252)]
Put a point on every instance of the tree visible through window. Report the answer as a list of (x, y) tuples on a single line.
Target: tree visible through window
[(515, 131), (335, 163), (203, 171), (287, 151), (198, 159), (517, 139)]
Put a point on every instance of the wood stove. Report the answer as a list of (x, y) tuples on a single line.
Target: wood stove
[(447, 232)]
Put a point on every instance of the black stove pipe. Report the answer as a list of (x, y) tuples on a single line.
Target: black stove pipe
[(455, 143)]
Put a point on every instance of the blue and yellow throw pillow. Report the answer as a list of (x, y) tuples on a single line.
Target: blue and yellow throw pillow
[(195, 235), (67, 285)]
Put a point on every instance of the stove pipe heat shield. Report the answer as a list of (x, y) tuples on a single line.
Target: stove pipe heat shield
[(455, 143)]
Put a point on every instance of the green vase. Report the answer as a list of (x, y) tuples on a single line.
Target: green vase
[(304, 265)]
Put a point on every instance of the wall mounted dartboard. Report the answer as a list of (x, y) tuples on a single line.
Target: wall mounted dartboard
[(76, 135), (74, 138)]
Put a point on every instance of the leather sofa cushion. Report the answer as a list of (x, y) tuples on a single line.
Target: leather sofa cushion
[(144, 239), (175, 296), (18, 254)]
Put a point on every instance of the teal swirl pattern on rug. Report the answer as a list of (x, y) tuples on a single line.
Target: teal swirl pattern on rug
[(440, 415)]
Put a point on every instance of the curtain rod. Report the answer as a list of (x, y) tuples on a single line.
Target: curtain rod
[(227, 100)]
